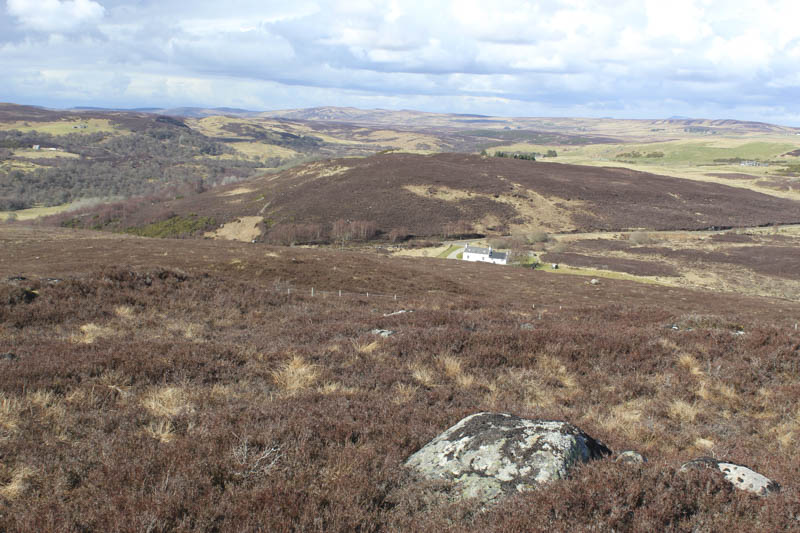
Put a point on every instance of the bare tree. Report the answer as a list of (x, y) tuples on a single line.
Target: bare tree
[(342, 231)]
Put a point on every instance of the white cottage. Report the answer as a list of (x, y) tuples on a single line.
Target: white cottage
[(486, 255)]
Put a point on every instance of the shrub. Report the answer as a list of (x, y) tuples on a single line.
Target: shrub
[(538, 236)]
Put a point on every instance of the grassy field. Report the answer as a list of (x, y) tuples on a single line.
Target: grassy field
[(17, 164), (597, 273), (685, 158), (34, 212), (263, 151), (29, 153), (62, 127)]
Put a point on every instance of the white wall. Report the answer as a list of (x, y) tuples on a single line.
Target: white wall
[(482, 258)]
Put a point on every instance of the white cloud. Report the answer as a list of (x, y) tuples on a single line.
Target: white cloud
[(591, 56), (55, 15)]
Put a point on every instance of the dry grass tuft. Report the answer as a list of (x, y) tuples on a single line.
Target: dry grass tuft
[(295, 375), (167, 401), (625, 418), (333, 387), (41, 398), (720, 393), (492, 395), (786, 440), (551, 368), (422, 374), (704, 444), (223, 391), (116, 381), (682, 411), (403, 393), (91, 332), (688, 362), (366, 348), (52, 406), (451, 367), (465, 381), (17, 484), (162, 430), (9, 414), (124, 311)]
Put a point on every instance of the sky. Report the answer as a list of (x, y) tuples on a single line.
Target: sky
[(737, 59)]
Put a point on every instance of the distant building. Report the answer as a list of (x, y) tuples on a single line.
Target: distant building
[(486, 255)]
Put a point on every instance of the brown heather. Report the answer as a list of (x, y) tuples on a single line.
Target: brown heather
[(279, 414)]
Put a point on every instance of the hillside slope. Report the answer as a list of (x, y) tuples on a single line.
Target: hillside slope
[(180, 385), (494, 195)]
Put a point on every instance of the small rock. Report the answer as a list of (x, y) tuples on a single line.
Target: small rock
[(8, 356), (382, 332), (488, 455), (739, 476), (555, 266), (400, 312), (526, 326), (630, 457), (595, 281)]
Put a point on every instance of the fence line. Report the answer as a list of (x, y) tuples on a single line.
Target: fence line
[(313, 292)]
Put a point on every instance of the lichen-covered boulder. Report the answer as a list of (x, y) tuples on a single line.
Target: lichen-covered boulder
[(739, 476), (488, 455)]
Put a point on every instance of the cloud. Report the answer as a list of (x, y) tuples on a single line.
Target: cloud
[(686, 57), (55, 15)]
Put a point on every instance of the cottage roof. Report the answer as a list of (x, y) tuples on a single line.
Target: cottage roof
[(468, 249), (493, 254)]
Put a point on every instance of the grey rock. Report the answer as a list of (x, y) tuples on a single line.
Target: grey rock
[(595, 281), (739, 476), (630, 457), (8, 356), (526, 326), (382, 332), (488, 455)]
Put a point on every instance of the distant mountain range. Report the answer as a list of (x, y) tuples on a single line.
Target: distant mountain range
[(410, 119)]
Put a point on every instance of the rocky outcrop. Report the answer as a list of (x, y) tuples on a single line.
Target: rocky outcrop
[(739, 476), (487, 455)]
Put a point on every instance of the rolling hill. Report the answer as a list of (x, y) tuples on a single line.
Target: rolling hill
[(493, 195)]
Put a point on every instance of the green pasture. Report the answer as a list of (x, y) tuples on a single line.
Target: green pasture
[(673, 153), (62, 127)]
